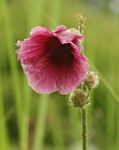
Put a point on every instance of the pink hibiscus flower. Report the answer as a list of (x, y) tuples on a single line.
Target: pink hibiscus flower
[(52, 60)]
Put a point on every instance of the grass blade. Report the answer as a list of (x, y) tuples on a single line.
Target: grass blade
[(107, 84), (12, 61), (4, 144), (40, 123)]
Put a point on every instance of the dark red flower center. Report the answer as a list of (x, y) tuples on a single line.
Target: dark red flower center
[(60, 54)]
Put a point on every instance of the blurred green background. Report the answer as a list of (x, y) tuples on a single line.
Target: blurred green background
[(29, 121)]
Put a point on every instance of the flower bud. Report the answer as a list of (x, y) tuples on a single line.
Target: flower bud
[(79, 98), (81, 23), (91, 79)]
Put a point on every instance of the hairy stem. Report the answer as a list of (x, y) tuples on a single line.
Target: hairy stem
[(84, 129)]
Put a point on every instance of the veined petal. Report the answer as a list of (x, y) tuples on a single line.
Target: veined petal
[(52, 60)]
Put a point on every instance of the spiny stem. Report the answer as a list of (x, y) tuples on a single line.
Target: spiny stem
[(84, 129)]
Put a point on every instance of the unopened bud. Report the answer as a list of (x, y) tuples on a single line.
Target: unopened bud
[(79, 98), (81, 23), (91, 79)]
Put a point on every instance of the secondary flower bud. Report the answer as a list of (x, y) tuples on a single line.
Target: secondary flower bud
[(91, 79), (79, 98)]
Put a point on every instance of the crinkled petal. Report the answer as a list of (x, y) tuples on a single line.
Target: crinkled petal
[(30, 49), (34, 46), (40, 31), (41, 77), (68, 36), (19, 43), (60, 29)]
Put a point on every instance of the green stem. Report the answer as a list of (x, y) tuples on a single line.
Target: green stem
[(84, 129)]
